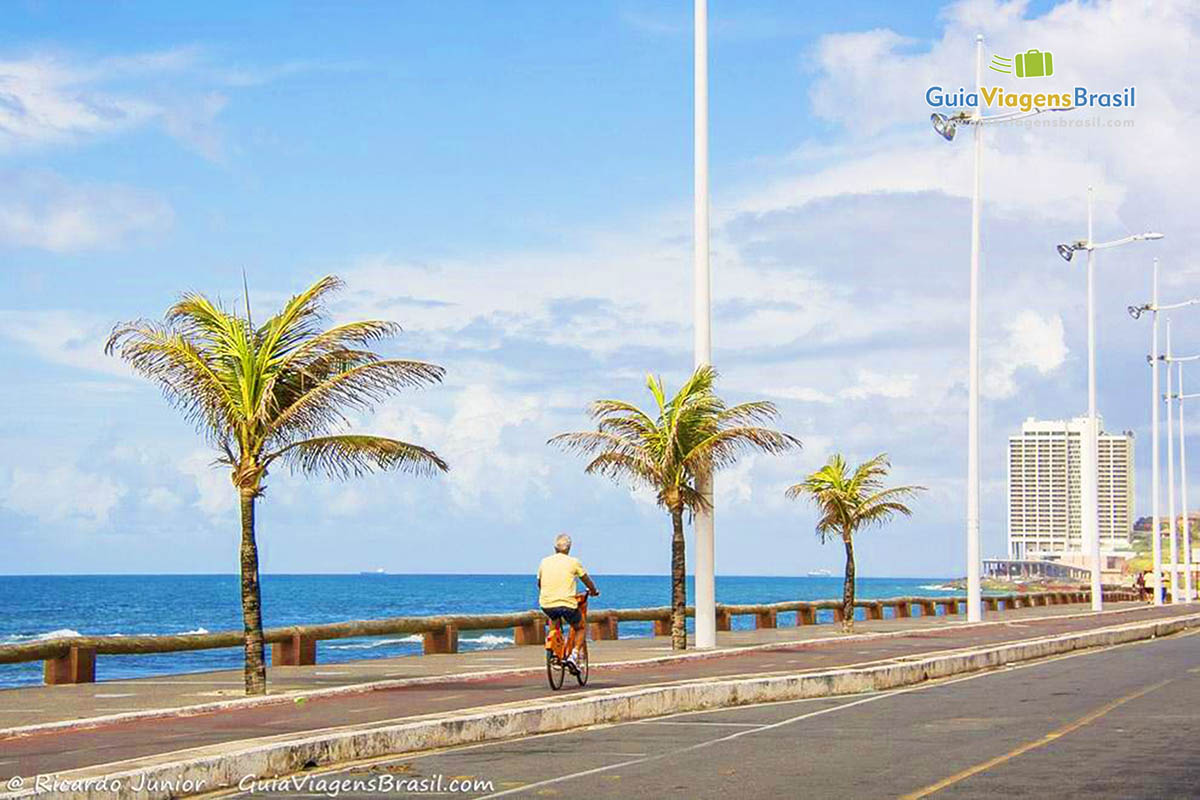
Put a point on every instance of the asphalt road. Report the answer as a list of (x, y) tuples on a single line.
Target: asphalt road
[(1123, 722)]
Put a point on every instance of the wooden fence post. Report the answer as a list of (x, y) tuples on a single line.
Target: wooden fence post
[(77, 665), (806, 615), (528, 633), (724, 620), (603, 628), (662, 627), (442, 641), (298, 651), (764, 619)]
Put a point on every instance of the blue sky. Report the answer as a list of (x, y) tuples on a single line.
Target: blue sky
[(512, 183)]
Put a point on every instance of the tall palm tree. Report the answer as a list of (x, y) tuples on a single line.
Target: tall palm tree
[(665, 451), (278, 392), (850, 502)]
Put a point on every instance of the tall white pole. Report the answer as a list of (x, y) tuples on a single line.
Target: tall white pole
[(974, 600), (1089, 494), (1174, 578), (1156, 517), (1185, 524), (706, 611)]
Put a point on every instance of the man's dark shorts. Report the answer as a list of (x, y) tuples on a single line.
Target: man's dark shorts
[(570, 615)]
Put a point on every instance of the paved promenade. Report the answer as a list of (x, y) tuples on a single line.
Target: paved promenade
[(453, 683)]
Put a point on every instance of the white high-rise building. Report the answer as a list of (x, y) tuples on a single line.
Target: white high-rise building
[(1043, 489)]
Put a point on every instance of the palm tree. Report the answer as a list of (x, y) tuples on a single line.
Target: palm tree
[(666, 451), (277, 392), (850, 502)]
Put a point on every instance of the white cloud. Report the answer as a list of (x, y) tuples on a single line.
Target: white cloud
[(73, 339), (42, 210), (486, 467), (161, 499), (216, 495), (875, 384), (1032, 341), (63, 493)]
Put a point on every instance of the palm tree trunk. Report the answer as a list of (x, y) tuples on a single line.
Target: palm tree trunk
[(255, 670), (848, 586), (678, 584)]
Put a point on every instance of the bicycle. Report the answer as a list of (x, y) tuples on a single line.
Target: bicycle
[(557, 649)]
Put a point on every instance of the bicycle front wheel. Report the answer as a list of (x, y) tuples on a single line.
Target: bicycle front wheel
[(555, 670), (582, 664)]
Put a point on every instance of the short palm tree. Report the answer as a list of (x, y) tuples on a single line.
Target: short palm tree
[(849, 503), (278, 392), (669, 450)]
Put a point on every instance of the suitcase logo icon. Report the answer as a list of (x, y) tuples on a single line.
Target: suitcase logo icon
[(1030, 64)]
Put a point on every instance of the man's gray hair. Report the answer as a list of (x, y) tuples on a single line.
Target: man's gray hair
[(562, 543)]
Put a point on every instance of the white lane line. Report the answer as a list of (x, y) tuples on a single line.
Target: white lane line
[(680, 751), (700, 722), (115, 694)]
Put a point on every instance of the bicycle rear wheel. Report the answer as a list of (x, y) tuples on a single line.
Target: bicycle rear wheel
[(555, 670), (582, 664)]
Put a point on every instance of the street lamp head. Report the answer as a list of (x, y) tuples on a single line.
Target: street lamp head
[(1136, 311), (1066, 251), (945, 127), (1151, 236)]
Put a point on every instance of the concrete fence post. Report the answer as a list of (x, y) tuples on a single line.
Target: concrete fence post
[(297, 651), (662, 627), (724, 620), (529, 633), (77, 665), (874, 610), (444, 640), (928, 608), (903, 609), (806, 615), (603, 628)]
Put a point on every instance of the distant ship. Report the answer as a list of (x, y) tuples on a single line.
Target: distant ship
[(379, 571), (820, 573)]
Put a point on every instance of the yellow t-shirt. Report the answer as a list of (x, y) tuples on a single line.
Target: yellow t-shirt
[(557, 574)]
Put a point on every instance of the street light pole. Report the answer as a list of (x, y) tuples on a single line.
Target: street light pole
[(1090, 444), (705, 572), (974, 589), (1156, 537), (1186, 549), (1089, 455), (1171, 476), (946, 127)]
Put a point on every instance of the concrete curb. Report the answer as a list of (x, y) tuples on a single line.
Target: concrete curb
[(209, 769), (483, 675)]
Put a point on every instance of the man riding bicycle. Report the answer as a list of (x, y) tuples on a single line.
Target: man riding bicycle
[(556, 584)]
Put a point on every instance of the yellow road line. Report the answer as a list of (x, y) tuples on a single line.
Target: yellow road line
[(1035, 744)]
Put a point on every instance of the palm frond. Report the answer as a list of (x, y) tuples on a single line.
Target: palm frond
[(358, 388), (192, 382), (352, 455)]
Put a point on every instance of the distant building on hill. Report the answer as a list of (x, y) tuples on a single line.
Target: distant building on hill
[(1144, 524), (1044, 511)]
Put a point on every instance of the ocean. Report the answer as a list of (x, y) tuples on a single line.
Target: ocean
[(38, 607)]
